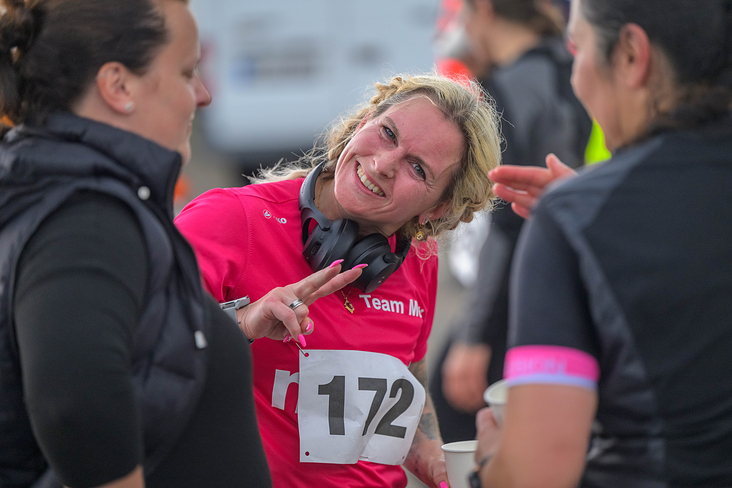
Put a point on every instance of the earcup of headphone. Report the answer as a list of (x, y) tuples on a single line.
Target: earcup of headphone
[(374, 250), (322, 247)]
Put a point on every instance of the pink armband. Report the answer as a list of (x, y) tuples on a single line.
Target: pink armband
[(551, 365)]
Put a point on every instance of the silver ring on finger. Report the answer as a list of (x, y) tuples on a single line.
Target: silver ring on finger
[(296, 304)]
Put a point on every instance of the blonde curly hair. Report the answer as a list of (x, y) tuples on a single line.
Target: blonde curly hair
[(465, 103)]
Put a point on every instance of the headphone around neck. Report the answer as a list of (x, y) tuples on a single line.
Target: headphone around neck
[(333, 240)]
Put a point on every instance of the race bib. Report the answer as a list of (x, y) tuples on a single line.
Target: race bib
[(356, 405)]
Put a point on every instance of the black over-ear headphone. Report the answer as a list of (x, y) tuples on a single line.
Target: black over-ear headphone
[(330, 241)]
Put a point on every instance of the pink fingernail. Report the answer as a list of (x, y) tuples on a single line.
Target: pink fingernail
[(359, 266), (335, 263), (309, 327), (287, 339), (443, 484), (301, 340)]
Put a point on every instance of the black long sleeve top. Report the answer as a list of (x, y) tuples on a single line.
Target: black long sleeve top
[(79, 295)]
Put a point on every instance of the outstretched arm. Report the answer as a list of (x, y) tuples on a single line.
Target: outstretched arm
[(523, 185), (425, 459)]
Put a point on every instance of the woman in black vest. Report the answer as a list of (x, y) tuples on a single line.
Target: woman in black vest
[(116, 369), (620, 331)]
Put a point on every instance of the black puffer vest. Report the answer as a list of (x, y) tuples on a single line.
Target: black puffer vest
[(39, 169)]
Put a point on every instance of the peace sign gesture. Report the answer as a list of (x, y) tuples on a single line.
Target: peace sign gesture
[(284, 311)]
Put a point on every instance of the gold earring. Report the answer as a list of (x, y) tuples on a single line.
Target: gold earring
[(420, 235)]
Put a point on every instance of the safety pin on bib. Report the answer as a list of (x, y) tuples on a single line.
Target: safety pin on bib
[(289, 339), (301, 349)]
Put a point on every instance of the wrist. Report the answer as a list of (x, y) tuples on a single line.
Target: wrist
[(241, 321), (232, 308), (474, 478), (424, 461)]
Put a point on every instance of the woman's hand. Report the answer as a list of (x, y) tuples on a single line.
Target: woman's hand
[(465, 375), (523, 185), (489, 435), (271, 315), (437, 470)]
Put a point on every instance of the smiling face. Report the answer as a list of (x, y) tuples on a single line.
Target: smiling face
[(171, 89), (397, 166)]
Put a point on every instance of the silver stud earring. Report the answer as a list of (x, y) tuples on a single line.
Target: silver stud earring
[(129, 106)]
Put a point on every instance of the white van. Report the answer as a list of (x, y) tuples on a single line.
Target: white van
[(281, 71)]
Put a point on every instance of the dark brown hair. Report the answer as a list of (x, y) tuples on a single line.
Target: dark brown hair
[(541, 16), (695, 36), (51, 50)]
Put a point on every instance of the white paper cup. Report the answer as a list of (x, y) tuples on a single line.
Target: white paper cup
[(496, 396), (460, 461)]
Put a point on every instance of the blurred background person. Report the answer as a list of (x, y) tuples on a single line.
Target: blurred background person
[(455, 56), (620, 317), (397, 172), (528, 74)]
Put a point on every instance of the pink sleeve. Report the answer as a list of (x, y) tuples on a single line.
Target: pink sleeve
[(429, 274), (215, 224), (551, 365)]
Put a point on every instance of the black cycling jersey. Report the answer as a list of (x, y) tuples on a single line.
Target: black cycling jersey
[(630, 262)]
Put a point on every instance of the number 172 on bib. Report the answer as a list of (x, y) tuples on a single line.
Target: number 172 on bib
[(356, 405)]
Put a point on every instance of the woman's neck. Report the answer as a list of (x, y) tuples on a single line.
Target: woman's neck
[(325, 199)]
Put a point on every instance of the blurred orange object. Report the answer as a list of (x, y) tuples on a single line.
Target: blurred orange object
[(182, 189)]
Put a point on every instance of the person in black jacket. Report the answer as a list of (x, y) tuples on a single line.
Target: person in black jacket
[(116, 369), (528, 77)]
